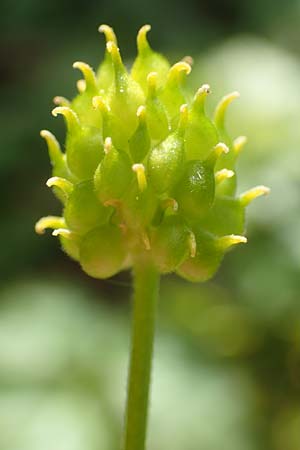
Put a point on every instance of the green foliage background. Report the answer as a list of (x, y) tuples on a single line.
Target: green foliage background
[(227, 365)]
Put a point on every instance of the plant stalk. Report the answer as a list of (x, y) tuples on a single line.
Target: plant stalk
[(146, 285)]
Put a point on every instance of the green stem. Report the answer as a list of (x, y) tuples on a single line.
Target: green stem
[(146, 284)]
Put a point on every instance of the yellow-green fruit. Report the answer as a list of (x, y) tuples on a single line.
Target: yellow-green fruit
[(148, 61), (165, 164), (196, 190), (173, 95), (125, 95), (166, 161), (113, 174), (105, 72), (206, 261), (83, 210), (82, 103), (102, 251), (140, 142), (84, 150), (227, 216), (139, 206), (170, 243), (201, 134), (86, 113), (210, 251), (158, 124)]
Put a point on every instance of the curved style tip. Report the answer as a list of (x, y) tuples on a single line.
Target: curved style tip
[(216, 152), (82, 66), (70, 116), (64, 232), (233, 95), (81, 86), (144, 29), (51, 181), (57, 110), (108, 33), (152, 79), (178, 69), (223, 174), (247, 197), (225, 242), (88, 73), (188, 59), (222, 106), (54, 149), (49, 222), (58, 100), (239, 143), (98, 102), (139, 169), (115, 54), (45, 134), (142, 42), (141, 113), (204, 89), (200, 96), (183, 118), (63, 184), (221, 148), (113, 49), (184, 109), (108, 145), (184, 113)]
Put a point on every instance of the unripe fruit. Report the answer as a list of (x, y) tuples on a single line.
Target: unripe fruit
[(140, 142), (102, 251), (209, 254), (195, 191), (166, 161), (83, 210), (84, 145), (82, 104), (146, 173), (173, 95), (113, 173), (170, 243), (227, 216), (111, 124), (158, 124), (139, 202), (84, 152), (105, 72), (201, 134), (125, 95), (148, 61)]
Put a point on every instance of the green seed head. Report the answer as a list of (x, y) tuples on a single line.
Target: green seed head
[(145, 171)]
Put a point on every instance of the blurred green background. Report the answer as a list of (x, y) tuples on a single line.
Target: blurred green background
[(227, 361)]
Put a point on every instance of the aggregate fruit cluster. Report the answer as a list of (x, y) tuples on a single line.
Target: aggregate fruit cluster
[(145, 170)]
